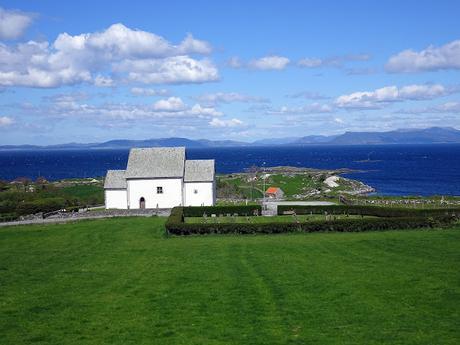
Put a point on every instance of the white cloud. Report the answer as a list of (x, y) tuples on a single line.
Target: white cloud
[(139, 91), (314, 108), (229, 97), (6, 121), (102, 81), (73, 106), (132, 54), (444, 108), (192, 46), (310, 62), (172, 70), (170, 104), (383, 96), (13, 23), (215, 122), (272, 62), (308, 95), (429, 59), (334, 61), (204, 111)]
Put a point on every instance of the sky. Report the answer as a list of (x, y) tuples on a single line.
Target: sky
[(92, 71)]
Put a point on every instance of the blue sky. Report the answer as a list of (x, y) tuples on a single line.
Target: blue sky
[(91, 71)]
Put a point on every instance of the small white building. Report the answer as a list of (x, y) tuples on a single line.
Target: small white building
[(160, 178)]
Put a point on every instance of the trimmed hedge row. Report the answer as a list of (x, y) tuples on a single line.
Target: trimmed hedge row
[(369, 211), (176, 225), (198, 211)]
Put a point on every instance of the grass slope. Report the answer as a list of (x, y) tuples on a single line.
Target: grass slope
[(119, 281)]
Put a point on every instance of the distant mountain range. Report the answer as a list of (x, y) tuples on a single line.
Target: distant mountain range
[(433, 135)]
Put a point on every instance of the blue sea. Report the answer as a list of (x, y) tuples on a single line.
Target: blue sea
[(391, 170)]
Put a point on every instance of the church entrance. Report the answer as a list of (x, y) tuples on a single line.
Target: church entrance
[(142, 203)]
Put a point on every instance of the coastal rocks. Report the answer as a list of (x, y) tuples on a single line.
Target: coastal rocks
[(331, 181)]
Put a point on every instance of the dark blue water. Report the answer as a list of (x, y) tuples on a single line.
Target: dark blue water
[(392, 170)]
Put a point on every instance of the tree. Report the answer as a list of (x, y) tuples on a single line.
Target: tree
[(23, 182), (41, 181), (3, 185)]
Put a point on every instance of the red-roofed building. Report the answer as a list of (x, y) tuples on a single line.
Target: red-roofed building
[(274, 193)]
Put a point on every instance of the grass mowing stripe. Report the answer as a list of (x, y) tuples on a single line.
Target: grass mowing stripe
[(120, 281)]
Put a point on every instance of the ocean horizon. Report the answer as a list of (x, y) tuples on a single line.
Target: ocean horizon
[(391, 169)]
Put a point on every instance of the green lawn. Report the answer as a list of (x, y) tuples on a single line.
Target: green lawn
[(274, 219), (120, 281)]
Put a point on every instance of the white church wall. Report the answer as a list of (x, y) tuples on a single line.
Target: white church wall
[(199, 193), (147, 189), (116, 198)]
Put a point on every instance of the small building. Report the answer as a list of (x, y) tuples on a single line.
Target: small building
[(160, 178), (274, 193)]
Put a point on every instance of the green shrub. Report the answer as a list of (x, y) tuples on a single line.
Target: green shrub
[(41, 205), (7, 206), (369, 211), (240, 210)]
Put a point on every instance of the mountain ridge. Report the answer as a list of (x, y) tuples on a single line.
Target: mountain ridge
[(432, 135)]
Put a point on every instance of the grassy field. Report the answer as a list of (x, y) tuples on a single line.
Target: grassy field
[(120, 281), (276, 219)]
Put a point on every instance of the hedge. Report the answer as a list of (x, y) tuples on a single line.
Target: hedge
[(41, 205), (175, 225), (197, 211), (369, 211)]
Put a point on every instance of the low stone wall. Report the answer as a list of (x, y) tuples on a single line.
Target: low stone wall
[(75, 216), (112, 213)]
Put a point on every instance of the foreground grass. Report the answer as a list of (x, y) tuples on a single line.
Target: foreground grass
[(119, 281)]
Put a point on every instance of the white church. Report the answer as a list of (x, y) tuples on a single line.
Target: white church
[(160, 178)]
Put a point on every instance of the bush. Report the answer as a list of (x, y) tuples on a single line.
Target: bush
[(41, 205), (175, 225), (369, 211), (240, 210)]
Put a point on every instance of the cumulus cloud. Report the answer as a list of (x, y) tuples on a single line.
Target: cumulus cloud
[(139, 91), (429, 59), (172, 70), (13, 23), (272, 62), (199, 110), (215, 122), (6, 121), (381, 97), (170, 104), (102, 81), (133, 55), (229, 97)]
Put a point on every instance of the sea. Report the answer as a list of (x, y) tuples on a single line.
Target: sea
[(391, 169)]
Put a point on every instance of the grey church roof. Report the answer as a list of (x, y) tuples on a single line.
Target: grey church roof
[(156, 162), (199, 170), (115, 179)]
